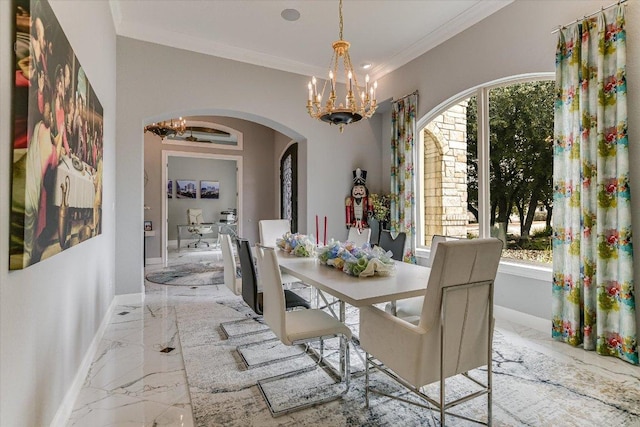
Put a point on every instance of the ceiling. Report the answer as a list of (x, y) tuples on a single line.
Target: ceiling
[(385, 33)]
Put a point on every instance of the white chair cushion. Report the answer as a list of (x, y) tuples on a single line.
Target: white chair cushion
[(305, 324)]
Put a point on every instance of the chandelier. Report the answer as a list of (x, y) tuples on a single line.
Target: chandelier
[(359, 101), (167, 127)]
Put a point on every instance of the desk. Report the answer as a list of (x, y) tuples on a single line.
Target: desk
[(408, 281), (204, 228), (211, 228)]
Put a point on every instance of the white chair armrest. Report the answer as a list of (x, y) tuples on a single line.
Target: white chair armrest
[(391, 340)]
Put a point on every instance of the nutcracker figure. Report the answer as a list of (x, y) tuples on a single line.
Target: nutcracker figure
[(357, 205)]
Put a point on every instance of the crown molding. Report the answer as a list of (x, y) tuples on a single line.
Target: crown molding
[(151, 34)]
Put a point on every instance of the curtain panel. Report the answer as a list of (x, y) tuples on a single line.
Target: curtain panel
[(593, 289), (403, 160)]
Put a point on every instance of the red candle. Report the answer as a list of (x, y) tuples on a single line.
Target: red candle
[(325, 231), (317, 235)]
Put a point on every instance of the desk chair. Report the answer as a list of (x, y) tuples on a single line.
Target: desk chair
[(194, 218), (297, 327), (454, 334)]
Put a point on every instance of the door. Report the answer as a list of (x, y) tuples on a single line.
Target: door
[(289, 186)]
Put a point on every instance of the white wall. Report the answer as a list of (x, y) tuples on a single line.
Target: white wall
[(515, 40), (50, 312), (215, 86)]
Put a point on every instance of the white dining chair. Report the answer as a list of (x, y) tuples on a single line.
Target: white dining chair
[(297, 327), (359, 237), (454, 333), (272, 229), (409, 309), (232, 279)]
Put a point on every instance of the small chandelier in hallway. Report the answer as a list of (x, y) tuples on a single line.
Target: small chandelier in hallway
[(359, 101), (168, 127)]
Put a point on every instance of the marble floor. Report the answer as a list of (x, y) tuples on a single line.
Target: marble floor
[(138, 376)]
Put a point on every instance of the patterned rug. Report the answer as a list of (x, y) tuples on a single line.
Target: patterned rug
[(530, 388), (190, 274)]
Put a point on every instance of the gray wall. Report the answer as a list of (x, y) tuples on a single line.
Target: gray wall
[(50, 312), (223, 171), (221, 87)]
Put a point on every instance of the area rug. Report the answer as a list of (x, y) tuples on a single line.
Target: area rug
[(530, 388), (189, 274)]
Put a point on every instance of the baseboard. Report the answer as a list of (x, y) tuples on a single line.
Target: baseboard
[(153, 261), (129, 299), (537, 323), (63, 413)]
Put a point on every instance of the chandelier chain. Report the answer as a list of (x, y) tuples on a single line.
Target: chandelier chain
[(340, 13)]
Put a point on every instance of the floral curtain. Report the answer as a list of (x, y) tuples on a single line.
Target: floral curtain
[(593, 289), (403, 160)]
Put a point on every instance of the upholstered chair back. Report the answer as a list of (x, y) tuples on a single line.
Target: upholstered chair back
[(229, 261), (465, 312), (249, 279), (273, 293), (396, 246), (194, 216), (359, 237), (435, 241), (272, 229)]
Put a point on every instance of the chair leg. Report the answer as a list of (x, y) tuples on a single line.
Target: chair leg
[(224, 325), (248, 365), (366, 379), (338, 377)]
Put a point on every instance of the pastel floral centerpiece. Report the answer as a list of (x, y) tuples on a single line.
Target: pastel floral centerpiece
[(357, 261), (297, 244)]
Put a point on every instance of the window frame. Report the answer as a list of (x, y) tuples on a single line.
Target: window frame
[(507, 265)]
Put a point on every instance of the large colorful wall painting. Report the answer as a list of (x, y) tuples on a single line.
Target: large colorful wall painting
[(57, 145)]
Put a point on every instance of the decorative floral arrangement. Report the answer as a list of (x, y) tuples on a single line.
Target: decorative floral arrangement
[(297, 244), (360, 262), (381, 204)]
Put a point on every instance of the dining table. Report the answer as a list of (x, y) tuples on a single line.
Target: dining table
[(407, 281)]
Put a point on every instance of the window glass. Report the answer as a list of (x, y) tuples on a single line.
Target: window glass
[(520, 164)]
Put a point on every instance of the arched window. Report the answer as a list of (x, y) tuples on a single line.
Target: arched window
[(486, 167)]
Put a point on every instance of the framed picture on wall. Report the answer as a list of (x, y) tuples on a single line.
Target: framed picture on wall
[(57, 141), (185, 189), (148, 226), (170, 189), (209, 189)]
